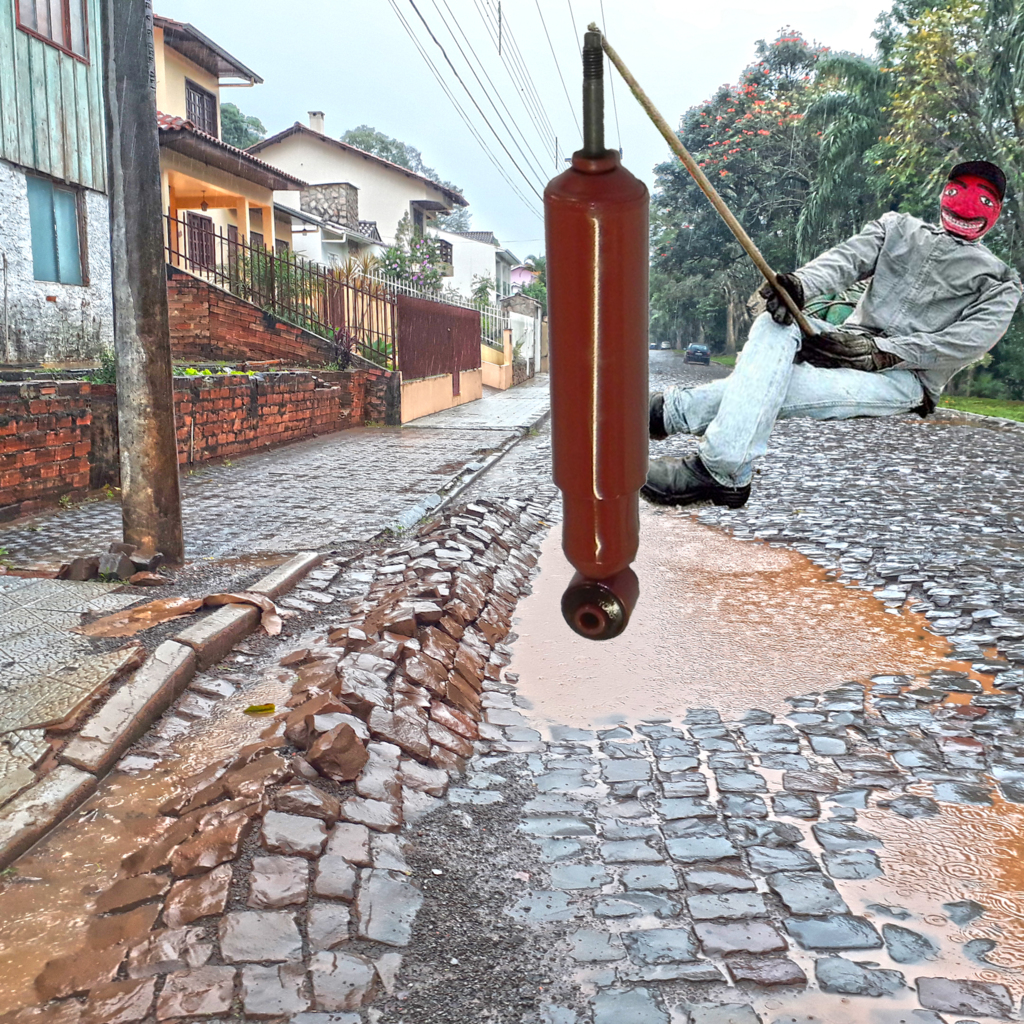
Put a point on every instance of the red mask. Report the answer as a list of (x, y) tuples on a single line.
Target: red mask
[(969, 207)]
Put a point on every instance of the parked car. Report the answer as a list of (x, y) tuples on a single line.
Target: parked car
[(697, 354)]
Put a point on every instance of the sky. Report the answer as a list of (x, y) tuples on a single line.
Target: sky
[(355, 60)]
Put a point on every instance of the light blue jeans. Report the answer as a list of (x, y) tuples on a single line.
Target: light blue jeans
[(735, 416)]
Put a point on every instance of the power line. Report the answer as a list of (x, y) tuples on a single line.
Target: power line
[(611, 79), (511, 118), (462, 113), (575, 30), (558, 67)]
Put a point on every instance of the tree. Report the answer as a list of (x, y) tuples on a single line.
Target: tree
[(370, 140), (538, 289), (238, 129)]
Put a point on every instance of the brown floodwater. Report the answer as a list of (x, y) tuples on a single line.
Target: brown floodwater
[(719, 624)]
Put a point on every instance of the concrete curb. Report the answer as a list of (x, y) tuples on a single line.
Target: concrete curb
[(461, 480), (992, 422), (130, 711)]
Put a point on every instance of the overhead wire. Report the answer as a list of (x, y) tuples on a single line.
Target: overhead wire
[(501, 142), (515, 65), (558, 67), (575, 30), (510, 118), (611, 80), (462, 113)]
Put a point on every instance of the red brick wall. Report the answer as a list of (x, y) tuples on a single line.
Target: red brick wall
[(209, 324), (44, 444)]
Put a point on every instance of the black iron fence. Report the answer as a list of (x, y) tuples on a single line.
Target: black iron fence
[(355, 312)]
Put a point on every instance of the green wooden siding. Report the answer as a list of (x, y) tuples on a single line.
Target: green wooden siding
[(51, 105)]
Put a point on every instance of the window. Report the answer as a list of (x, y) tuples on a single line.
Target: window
[(61, 22), (200, 241), (201, 108), (53, 221), (281, 246)]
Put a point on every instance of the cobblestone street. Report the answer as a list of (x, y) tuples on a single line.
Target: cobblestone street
[(841, 844)]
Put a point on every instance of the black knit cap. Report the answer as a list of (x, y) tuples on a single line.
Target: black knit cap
[(982, 169)]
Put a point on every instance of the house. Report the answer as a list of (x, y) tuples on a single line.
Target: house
[(214, 194), (324, 241), (55, 293), (477, 255), (354, 192), (523, 276)]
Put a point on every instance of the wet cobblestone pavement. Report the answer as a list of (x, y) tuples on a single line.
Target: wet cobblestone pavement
[(854, 859)]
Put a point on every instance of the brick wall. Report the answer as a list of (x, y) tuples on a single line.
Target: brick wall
[(209, 324), (44, 444), (49, 448)]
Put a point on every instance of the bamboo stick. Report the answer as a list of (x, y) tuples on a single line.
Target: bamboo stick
[(705, 185)]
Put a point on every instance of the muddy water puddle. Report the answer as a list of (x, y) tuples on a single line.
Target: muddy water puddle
[(719, 624)]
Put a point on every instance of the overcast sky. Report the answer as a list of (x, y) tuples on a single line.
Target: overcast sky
[(354, 60)]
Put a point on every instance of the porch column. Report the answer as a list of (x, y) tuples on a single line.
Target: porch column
[(242, 213), (269, 235)]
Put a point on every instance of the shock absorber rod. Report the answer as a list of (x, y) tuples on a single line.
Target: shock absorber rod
[(596, 227), (704, 184)]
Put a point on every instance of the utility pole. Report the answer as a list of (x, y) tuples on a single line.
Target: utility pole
[(150, 494)]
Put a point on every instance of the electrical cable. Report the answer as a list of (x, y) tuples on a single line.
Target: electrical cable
[(558, 67), (575, 30), (510, 118), (462, 113), (611, 79), (430, 32)]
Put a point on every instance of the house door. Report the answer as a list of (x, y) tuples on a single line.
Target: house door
[(200, 241)]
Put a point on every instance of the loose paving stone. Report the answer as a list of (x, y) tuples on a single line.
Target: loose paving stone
[(635, 904), (254, 936), (557, 849), (727, 906), (906, 946), (686, 785), (350, 841), (717, 938), (629, 851), (718, 879), (292, 834), (766, 859), (740, 782), (659, 877), (579, 876), (710, 848), (963, 911), (193, 898), (808, 782), (590, 946), (836, 974), (328, 925), (342, 981), (807, 893), (853, 864), (273, 991), (542, 907), (278, 882), (119, 1002), (556, 827), (625, 770), (978, 998), (768, 971), (168, 949), (912, 806), (199, 993), (628, 1006), (724, 1013), (386, 907), (685, 808), (838, 932), (796, 805), (839, 835), (335, 878), (736, 805), (308, 800), (661, 945)]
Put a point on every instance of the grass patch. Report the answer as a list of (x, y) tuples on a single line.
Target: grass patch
[(985, 406), (724, 360)]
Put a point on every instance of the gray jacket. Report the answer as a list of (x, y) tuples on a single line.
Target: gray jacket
[(937, 302)]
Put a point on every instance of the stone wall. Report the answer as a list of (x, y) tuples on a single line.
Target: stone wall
[(44, 321), (209, 324), (49, 449), (44, 444), (338, 202)]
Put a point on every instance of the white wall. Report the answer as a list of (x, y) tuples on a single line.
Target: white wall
[(526, 338), (384, 194), (469, 259), (79, 324)]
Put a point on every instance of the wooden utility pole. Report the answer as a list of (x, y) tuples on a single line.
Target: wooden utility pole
[(150, 494)]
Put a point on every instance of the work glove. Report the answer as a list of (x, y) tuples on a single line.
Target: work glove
[(849, 350), (777, 309)]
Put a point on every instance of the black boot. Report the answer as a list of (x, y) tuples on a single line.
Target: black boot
[(656, 419), (673, 481)]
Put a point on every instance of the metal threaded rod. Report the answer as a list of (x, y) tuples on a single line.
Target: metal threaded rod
[(593, 95)]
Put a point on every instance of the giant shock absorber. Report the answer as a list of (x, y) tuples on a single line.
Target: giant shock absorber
[(596, 228)]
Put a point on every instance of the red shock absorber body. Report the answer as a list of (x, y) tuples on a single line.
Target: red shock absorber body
[(596, 227)]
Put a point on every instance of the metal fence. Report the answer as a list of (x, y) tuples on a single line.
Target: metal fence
[(436, 338), (356, 312)]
